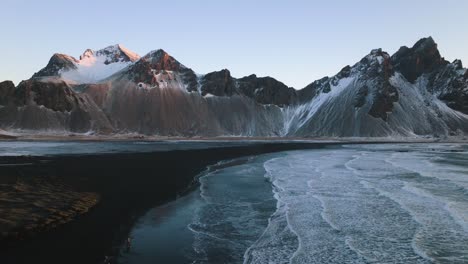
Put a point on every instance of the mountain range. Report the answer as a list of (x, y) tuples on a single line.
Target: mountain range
[(414, 92)]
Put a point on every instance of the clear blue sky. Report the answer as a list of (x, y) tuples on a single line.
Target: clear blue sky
[(293, 41)]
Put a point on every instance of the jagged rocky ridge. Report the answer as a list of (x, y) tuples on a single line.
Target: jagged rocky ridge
[(413, 92)]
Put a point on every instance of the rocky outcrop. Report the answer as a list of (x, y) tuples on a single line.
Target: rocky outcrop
[(450, 84), (386, 94), (322, 85), (267, 90), (54, 95), (158, 69), (447, 81), (263, 90), (373, 72), (218, 83), (52, 104), (147, 70), (7, 91), (423, 57), (58, 63)]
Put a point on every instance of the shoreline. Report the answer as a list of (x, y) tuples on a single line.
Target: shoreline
[(6, 136), (127, 183)]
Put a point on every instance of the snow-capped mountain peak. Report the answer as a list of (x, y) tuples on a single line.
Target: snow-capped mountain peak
[(115, 53), (161, 60), (412, 92), (130, 54), (158, 69), (111, 54), (92, 66), (89, 53)]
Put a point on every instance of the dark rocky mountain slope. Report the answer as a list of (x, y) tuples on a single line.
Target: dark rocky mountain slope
[(412, 92)]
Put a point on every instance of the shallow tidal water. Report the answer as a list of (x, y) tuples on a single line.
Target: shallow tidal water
[(388, 203)]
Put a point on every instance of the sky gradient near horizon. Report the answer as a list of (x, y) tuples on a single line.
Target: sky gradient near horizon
[(293, 41)]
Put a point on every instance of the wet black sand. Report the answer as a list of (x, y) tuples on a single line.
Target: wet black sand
[(127, 184)]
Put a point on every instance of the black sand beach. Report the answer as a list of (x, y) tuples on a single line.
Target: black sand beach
[(123, 186)]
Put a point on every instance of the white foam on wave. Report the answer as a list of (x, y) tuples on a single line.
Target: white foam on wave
[(348, 205), (457, 211), (351, 205), (369, 185), (426, 164), (302, 209), (325, 214), (346, 221), (270, 246), (428, 209), (235, 208), (417, 249), (453, 177)]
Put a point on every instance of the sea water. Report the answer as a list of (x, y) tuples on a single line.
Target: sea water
[(388, 203)]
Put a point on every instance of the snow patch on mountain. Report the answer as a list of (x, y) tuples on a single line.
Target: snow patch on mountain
[(419, 112), (92, 70), (94, 66), (169, 79), (416, 113), (296, 117), (130, 54)]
